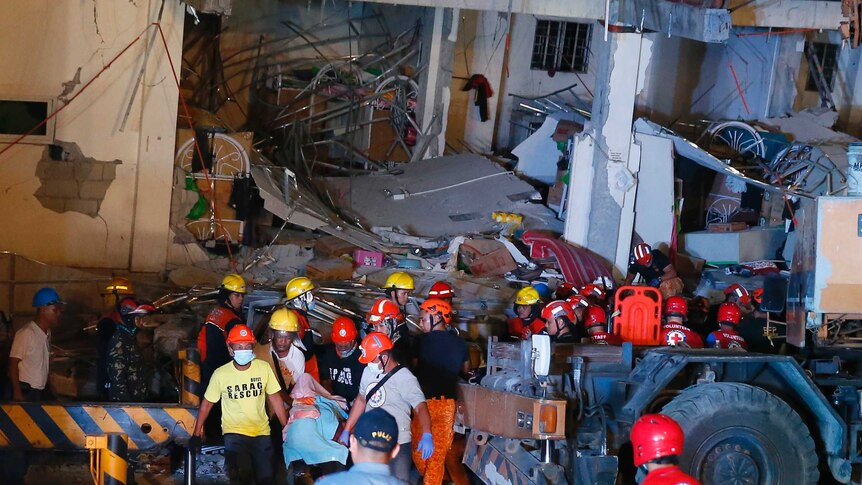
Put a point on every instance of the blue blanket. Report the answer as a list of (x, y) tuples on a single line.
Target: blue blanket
[(310, 440)]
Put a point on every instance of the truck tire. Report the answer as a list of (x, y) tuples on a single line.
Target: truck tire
[(737, 433)]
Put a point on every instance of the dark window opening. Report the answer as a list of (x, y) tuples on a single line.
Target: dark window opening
[(827, 55), (561, 46)]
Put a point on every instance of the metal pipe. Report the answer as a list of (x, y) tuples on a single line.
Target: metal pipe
[(189, 469), (547, 451)]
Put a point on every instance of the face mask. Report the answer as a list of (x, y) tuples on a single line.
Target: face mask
[(243, 357), (346, 354), (310, 305), (375, 368)]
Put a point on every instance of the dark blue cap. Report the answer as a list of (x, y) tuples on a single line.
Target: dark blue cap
[(376, 430)]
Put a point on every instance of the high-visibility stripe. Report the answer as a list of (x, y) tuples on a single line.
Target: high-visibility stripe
[(107, 424), (67, 423), (28, 427), (158, 432), (10, 429), (178, 421), (141, 440), (52, 430)]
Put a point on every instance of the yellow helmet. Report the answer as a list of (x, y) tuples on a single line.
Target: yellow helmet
[(284, 320), (527, 296), (399, 280), (120, 286), (234, 282), (298, 287)]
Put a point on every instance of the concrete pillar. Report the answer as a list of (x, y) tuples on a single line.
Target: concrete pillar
[(435, 82), (489, 47), (608, 204)]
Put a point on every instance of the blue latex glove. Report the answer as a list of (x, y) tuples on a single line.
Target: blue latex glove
[(426, 446), (344, 438)]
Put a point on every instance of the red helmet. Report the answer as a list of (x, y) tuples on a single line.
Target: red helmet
[(565, 290), (654, 436), (757, 295), (595, 316), (441, 289), (437, 306), (676, 305), (577, 301), (739, 291), (643, 254), (343, 330), (557, 309), (240, 334), (729, 313), (383, 309), (373, 345), (592, 290)]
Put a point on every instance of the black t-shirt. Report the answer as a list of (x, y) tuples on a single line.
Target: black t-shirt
[(441, 357), (343, 373), (654, 270)]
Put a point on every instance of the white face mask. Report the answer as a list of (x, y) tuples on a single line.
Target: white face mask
[(243, 357), (375, 368)]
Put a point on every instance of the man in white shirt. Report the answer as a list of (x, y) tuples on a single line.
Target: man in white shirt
[(28, 370), (30, 354)]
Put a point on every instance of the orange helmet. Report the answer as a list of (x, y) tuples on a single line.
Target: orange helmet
[(642, 254), (676, 305), (240, 334), (595, 316), (441, 289), (438, 306), (577, 301), (557, 309), (383, 309), (729, 313), (592, 290), (654, 436), (373, 345), (739, 291), (343, 330)]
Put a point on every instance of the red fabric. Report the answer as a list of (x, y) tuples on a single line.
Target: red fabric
[(578, 265), (721, 339), (517, 327), (605, 338), (671, 475), (673, 334)]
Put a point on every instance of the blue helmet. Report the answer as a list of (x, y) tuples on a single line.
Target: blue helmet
[(543, 290), (46, 296)]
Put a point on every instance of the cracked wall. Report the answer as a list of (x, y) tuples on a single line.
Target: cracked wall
[(89, 210), (71, 181)]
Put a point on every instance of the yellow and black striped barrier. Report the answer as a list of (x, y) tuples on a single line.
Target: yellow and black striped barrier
[(66, 426), (109, 458), (191, 391)]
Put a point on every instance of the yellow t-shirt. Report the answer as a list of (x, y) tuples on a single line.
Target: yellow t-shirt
[(243, 397)]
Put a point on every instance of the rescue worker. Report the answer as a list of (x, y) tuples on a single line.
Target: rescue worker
[(596, 323), (300, 298), (657, 442), (594, 294), (283, 352), (564, 290), (656, 270), (127, 381), (243, 387), (117, 289), (388, 385), (560, 319), (726, 337), (340, 369), (528, 310), (443, 359), (385, 317), (740, 295), (442, 291), (674, 332), (579, 305), (211, 337), (543, 290), (398, 287)]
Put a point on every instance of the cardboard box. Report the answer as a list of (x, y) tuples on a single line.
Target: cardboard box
[(361, 257), (486, 257), (333, 246), (727, 227), (329, 269)]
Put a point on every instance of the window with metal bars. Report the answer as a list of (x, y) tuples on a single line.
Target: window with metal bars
[(561, 46), (827, 55)]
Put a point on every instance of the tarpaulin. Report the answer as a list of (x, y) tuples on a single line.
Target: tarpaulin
[(578, 265)]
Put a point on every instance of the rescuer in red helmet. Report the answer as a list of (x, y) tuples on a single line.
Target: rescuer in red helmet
[(656, 270), (726, 337), (657, 442), (674, 332), (596, 323)]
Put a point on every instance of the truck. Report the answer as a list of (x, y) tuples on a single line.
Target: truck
[(562, 413)]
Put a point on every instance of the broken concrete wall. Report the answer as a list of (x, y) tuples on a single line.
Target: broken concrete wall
[(71, 181), (47, 44)]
